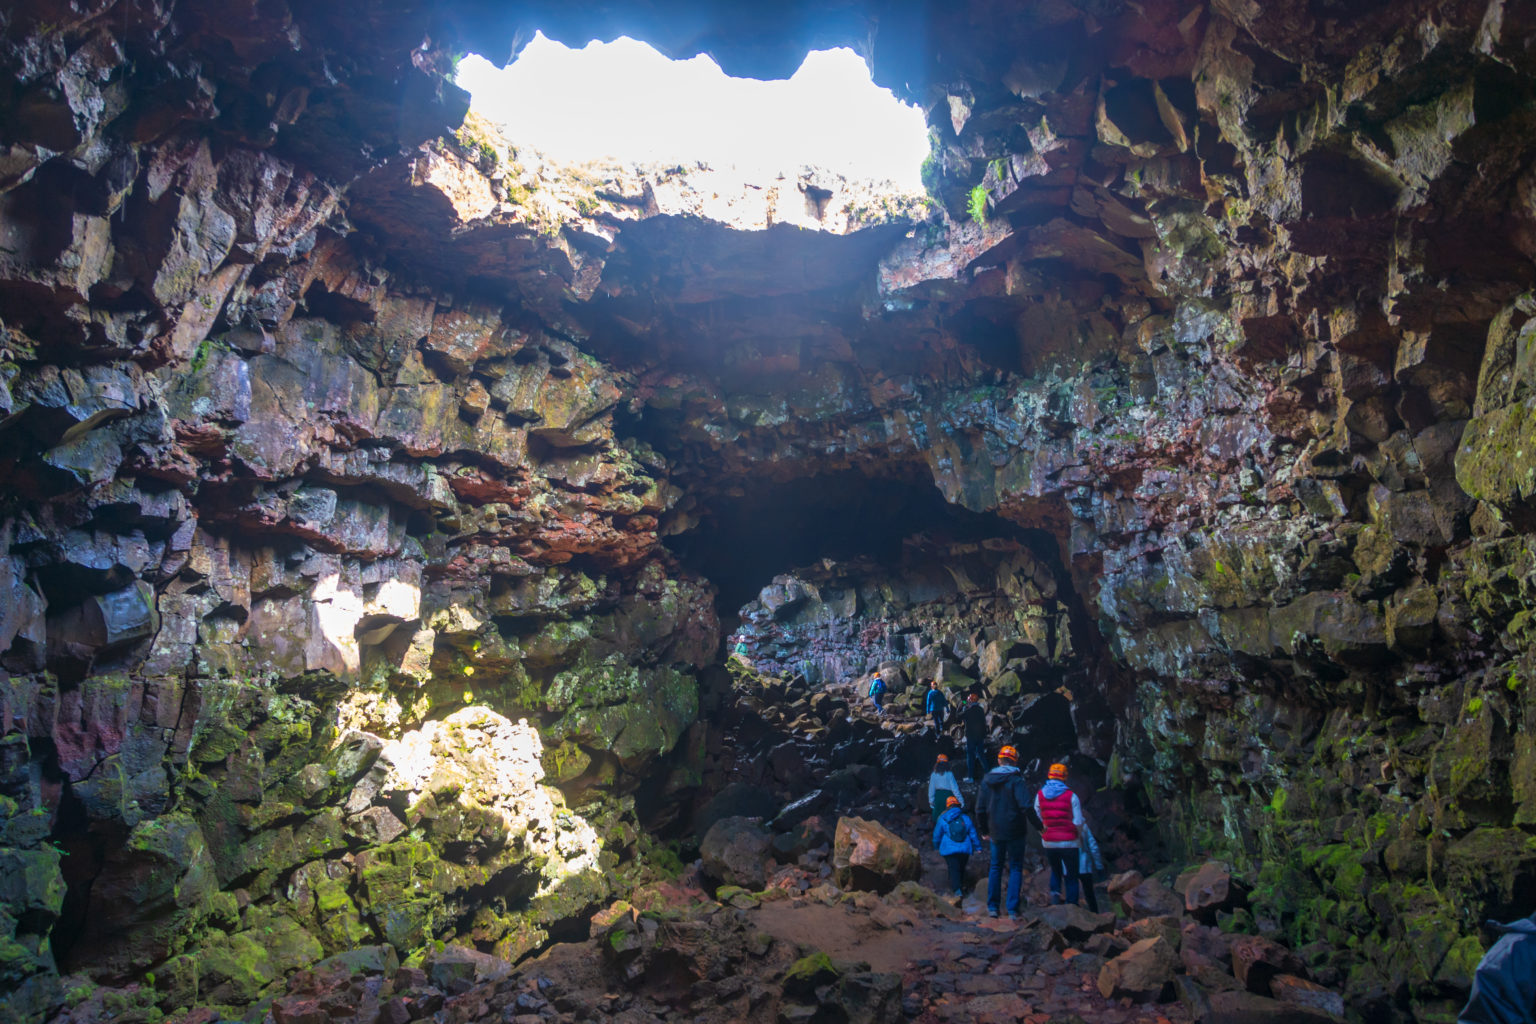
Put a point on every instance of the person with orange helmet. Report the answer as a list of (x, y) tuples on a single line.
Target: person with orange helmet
[(1061, 823), (954, 836), (942, 784), (1002, 806)]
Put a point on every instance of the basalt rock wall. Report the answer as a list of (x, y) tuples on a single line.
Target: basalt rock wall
[(340, 439)]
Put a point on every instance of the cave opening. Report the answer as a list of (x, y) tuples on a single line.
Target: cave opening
[(838, 576), (624, 101), (760, 528)]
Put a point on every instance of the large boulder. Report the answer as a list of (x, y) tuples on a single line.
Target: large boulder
[(1211, 888), (1211, 943), (818, 988), (1152, 899), (735, 851), (1166, 928), (457, 969), (1074, 923), (1256, 960), (1143, 972), (867, 855)]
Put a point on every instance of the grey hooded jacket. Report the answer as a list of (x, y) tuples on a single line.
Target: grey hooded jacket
[(1504, 987)]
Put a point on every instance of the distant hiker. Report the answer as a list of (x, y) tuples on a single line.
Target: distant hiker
[(1089, 864), (975, 718), (877, 693), (1504, 987), (955, 837), (942, 785), (935, 705), (1061, 818), (1001, 810)]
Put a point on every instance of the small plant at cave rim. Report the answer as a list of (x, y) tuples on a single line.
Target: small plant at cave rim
[(976, 204)]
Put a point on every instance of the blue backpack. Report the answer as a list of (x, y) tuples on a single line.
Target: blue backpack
[(877, 687), (959, 831)]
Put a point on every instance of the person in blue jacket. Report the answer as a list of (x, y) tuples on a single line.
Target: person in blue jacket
[(877, 694), (1504, 987), (955, 837), (936, 705)]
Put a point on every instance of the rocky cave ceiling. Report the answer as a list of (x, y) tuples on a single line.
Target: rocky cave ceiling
[(333, 428)]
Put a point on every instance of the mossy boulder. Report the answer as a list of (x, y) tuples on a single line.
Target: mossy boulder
[(637, 714), (1492, 865), (399, 884), (808, 974), (235, 969), (1006, 685)]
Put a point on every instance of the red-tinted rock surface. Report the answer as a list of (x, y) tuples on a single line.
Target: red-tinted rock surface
[(867, 855), (1141, 972)]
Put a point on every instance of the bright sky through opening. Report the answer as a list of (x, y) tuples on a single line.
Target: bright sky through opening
[(624, 101)]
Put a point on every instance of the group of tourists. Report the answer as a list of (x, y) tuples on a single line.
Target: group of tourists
[(936, 706), (1004, 808)]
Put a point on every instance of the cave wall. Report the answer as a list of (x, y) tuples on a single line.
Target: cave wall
[(325, 425)]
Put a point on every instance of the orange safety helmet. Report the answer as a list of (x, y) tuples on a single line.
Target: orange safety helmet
[(1057, 771), (1008, 753), (953, 801), (943, 759)]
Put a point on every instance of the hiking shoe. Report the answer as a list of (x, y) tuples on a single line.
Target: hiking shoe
[(992, 912)]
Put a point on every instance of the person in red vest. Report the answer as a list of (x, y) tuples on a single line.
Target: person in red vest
[(1061, 820)]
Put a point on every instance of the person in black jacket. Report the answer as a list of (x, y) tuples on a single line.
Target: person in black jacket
[(1002, 803), (975, 718), (1504, 987)]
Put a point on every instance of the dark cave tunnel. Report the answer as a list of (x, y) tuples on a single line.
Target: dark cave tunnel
[(763, 528)]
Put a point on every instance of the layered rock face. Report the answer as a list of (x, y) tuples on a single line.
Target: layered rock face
[(341, 440)]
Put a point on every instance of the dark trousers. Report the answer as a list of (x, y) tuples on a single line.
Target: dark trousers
[(975, 758), (1063, 864), (1012, 851), (956, 863), (1088, 894), (938, 723)]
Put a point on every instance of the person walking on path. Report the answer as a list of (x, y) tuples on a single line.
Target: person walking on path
[(954, 835), (975, 718), (936, 705), (1089, 864), (1061, 818), (1002, 804), (1504, 986), (942, 784), (877, 693)]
